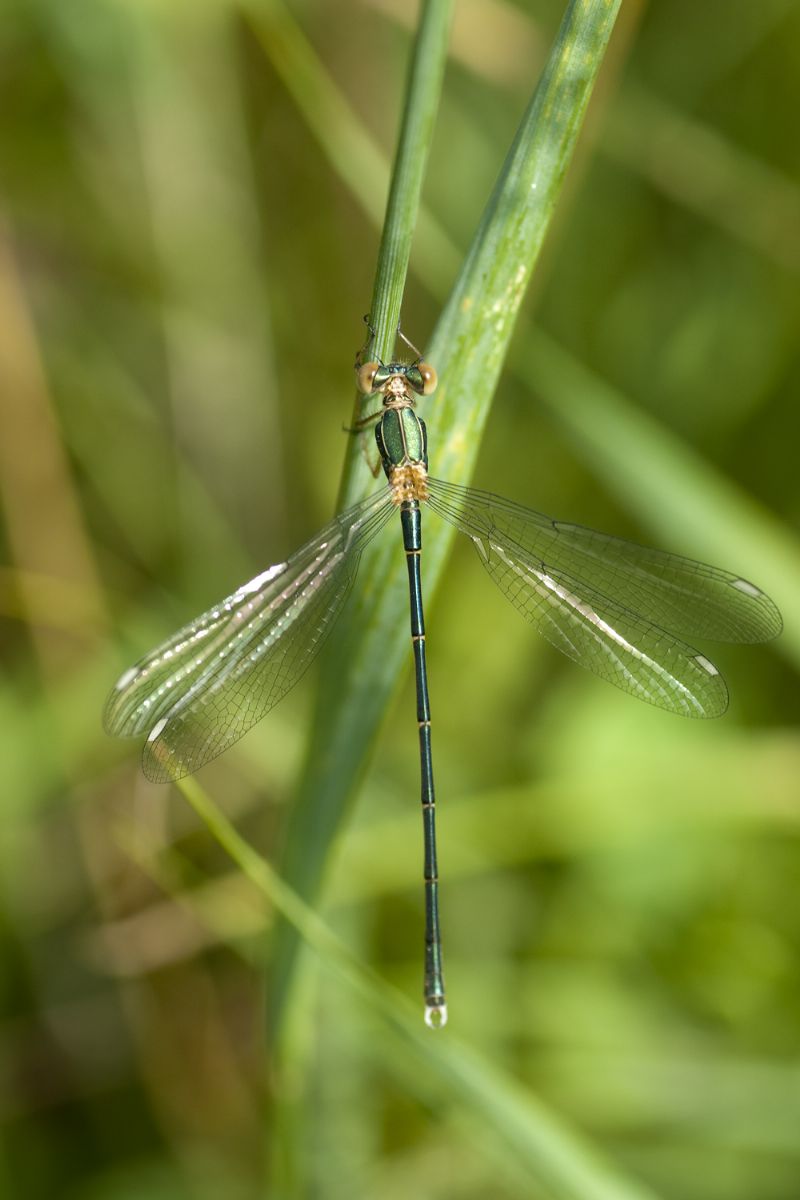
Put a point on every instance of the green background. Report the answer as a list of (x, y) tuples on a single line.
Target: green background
[(182, 281)]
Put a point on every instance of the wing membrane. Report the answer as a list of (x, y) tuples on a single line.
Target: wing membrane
[(202, 689), (691, 599), (618, 643)]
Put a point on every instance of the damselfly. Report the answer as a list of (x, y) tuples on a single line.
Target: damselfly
[(615, 607)]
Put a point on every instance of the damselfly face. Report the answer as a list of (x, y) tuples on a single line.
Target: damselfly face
[(396, 381)]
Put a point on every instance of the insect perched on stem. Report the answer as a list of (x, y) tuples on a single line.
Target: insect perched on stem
[(615, 607)]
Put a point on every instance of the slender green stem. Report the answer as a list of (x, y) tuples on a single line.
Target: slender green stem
[(416, 133)]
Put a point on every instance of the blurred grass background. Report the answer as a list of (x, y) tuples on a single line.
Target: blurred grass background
[(182, 279)]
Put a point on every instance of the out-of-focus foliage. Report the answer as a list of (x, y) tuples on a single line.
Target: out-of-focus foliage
[(182, 279)]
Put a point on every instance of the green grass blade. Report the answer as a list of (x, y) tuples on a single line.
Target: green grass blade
[(416, 133)]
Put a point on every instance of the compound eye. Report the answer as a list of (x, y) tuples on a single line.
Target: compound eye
[(365, 377), (429, 378)]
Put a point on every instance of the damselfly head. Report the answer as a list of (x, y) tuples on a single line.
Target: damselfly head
[(396, 379)]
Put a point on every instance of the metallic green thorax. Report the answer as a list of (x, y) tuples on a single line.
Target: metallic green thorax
[(401, 438)]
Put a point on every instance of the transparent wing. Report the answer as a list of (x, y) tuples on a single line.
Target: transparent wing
[(691, 599), (201, 690), (528, 557)]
